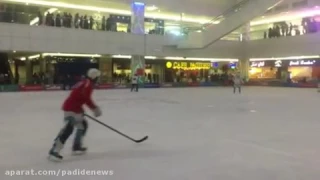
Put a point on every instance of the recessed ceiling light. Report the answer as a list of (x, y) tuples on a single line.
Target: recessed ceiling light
[(152, 8)]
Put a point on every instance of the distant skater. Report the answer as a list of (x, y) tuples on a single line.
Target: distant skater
[(237, 82), (134, 83)]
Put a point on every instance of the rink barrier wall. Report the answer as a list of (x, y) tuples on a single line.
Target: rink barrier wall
[(59, 87)]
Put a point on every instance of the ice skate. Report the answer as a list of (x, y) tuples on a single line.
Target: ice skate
[(54, 156), (54, 153), (79, 150)]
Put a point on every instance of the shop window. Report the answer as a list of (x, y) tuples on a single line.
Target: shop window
[(263, 73), (298, 74)]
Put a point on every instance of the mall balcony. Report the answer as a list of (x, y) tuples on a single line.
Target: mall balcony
[(48, 32), (31, 32)]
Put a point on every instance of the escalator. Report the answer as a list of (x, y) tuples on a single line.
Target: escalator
[(6, 75), (227, 22)]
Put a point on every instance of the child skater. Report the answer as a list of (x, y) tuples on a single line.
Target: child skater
[(237, 81), (73, 115)]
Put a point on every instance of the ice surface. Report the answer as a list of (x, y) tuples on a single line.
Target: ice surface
[(194, 134)]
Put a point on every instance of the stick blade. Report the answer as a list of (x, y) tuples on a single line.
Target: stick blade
[(141, 140)]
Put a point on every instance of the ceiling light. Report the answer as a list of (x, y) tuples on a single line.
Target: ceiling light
[(284, 58), (213, 59), (128, 57), (122, 56), (152, 8), (174, 58), (71, 55)]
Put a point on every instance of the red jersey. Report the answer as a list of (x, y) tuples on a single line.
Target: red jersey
[(80, 95)]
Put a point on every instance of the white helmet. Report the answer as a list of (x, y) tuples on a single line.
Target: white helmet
[(93, 73)]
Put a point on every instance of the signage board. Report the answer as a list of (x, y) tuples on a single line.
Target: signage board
[(188, 65), (258, 64), (285, 63), (302, 63)]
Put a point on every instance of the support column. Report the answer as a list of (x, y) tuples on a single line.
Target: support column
[(50, 70), (244, 67), (246, 32), (137, 27), (42, 64), (28, 71), (105, 66), (244, 64)]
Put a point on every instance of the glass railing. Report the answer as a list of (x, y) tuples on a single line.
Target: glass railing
[(68, 22), (17, 17)]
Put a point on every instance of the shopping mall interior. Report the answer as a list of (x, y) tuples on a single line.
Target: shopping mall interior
[(159, 89), (160, 38)]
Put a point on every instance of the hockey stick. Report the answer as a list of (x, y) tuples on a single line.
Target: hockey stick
[(124, 135)]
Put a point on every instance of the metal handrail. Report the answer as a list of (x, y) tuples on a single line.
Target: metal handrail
[(227, 12)]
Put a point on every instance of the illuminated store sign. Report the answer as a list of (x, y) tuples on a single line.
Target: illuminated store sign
[(188, 65), (278, 63), (258, 64), (302, 63)]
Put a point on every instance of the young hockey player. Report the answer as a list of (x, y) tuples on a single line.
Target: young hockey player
[(237, 81), (73, 115)]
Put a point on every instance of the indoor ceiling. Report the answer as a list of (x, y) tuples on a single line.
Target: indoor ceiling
[(191, 7), (192, 11), (200, 11)]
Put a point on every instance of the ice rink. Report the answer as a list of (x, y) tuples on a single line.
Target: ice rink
[(194, 134)]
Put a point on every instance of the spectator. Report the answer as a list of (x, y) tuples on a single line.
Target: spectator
[(103, 23), (81, 22), (91, 21), (109, 24), (58, 20), (65, 20), (76, 20), (270, 33), (40, 18), (85, 22), (69, 20), (48, 19)]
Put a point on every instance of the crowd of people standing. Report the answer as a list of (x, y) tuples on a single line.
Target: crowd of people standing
[(308, 25)]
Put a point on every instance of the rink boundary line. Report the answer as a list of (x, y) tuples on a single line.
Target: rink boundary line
[(161, 87)]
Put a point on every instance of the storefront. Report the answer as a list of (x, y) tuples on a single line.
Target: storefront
[(159, 70), (296, 70), (187, 71), (263, 70), (121, 69), (152, 26)]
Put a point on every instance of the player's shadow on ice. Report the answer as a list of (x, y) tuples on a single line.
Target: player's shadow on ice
[(119, 155)]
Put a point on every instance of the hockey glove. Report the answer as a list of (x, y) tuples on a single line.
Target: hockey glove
[(97, 112)]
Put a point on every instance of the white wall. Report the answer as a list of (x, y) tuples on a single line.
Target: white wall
[(64, 40), (308, 44)]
